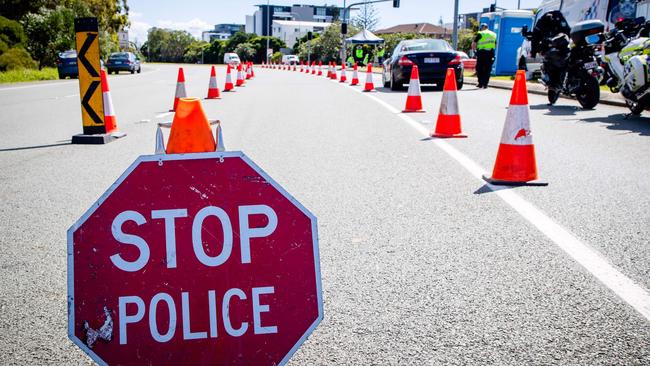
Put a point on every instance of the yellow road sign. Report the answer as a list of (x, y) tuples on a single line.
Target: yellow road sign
[(92, 104)]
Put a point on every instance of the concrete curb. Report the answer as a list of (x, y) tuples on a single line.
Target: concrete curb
[(606, 97)]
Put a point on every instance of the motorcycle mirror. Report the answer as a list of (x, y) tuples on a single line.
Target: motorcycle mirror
[(524, 29)]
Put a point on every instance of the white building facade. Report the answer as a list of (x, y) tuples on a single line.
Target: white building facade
[(290, 30)]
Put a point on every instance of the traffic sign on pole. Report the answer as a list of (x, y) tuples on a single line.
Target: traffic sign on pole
[(193, 259)]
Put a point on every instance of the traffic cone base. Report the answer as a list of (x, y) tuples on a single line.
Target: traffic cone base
[(448, 126), (517, 166)]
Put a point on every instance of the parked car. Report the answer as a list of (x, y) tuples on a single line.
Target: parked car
[(66, 64), (123, 61), (231, 58), (433, 57), (290, 60)]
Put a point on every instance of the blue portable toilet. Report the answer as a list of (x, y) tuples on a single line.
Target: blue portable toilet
[(507, 26), (487, 18)]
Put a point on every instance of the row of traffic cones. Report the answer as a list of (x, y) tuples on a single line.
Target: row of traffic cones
[(331, 72), (515, 162), (243, 73)]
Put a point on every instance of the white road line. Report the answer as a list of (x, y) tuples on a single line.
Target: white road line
[(59, 83), (164, 114), (589, 258)]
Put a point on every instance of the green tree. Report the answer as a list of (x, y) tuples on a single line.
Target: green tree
[(259, 43), (213, 54), (236, 39), (245, 51), (194, 53), (11, 33), (327, 46), (367, 18), (167, 45), (48, 33), (16, 58)]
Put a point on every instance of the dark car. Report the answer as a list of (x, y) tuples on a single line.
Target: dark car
[(123, 61), (433, 57), (66, 64)]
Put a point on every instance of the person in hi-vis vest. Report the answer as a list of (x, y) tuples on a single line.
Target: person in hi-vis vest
[(484, 45)]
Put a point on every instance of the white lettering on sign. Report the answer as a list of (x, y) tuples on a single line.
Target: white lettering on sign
[(157, 317), (170, 231), (170, 216), (153, 314), (119, 235), (246, 232), (197, 239)]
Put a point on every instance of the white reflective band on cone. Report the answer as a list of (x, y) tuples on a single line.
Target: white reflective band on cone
[(414, 88), (108, 104), (368, 77), (449, 103), (213, 82), (516, 130), (180, 90), (160, 143)]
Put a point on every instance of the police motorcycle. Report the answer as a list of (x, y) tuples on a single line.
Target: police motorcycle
[(570, 66), (627, 48)]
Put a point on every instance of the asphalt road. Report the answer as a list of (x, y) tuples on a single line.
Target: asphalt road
[(421, 262)]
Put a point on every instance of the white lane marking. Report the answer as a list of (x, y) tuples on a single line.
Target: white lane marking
[(164, 114), (59, 83), (589, 258)]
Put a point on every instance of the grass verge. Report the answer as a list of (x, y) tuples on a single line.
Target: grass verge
[(15, 76)]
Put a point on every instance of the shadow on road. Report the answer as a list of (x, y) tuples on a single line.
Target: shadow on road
[(623, 122), (426, 88), (557, 110), (68, 142)]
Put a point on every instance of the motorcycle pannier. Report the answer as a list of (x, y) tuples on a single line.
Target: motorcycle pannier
[(581, 30)]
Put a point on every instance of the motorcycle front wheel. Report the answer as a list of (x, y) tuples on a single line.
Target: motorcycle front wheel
[(552, 96), (589, 94), (635, 107)]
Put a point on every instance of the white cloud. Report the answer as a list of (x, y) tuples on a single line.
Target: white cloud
[(138, 32), (194, 26)]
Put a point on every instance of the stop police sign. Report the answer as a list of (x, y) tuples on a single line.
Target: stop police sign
[(193, 259)]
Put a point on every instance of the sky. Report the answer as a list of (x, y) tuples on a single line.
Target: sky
[(196, 16)]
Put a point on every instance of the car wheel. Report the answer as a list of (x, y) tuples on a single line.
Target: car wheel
[(132, 71), (395, 85), (460, 82), (139, 69)]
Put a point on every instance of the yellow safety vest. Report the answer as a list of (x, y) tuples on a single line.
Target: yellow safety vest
[(359, 53), (488, 40)]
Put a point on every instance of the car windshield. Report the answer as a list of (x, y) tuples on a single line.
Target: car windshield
[(119, 56), (426, 45)]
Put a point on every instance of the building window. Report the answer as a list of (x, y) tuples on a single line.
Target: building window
[(320, 11), (296, 30)]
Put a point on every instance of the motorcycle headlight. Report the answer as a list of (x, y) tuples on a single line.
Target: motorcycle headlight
[(592, 39)]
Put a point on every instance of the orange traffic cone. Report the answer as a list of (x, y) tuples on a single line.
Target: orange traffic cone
[(228, 87), (344, 77), (448, 123), (414, 96), (294, 67), (190, 131), (370, 86), (333, 75), (252, 71), (329, 70), (213, 89), (355, 75), (301, 69), (110, 122), (313, 67), (248, 71), (180, 88), (320, 68), (240, 76), (515, 163)]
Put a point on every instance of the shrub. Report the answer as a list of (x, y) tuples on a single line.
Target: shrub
[(16, 58), (277, 57)]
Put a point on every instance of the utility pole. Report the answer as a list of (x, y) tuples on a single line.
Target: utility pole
[(454, 35), (268, 28)]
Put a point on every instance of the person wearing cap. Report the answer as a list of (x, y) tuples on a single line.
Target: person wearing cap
[(484, 45)]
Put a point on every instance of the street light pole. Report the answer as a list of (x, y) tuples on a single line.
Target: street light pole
[(454, 35), (268, 28)]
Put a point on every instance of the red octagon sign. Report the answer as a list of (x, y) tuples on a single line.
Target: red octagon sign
[(193, 259)]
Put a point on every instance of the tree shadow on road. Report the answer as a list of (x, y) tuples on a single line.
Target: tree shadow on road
[(623, 122)]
